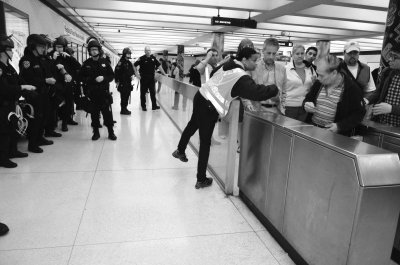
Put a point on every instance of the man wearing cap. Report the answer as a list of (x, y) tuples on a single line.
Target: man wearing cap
[(11, 86), (358, 70), (386, 98), (123, 78), (147, 66)]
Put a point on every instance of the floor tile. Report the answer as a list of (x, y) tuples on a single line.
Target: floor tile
[(42, 209), (273, 246), (46, 256), (240, 249), (142, 204), (247, 214)]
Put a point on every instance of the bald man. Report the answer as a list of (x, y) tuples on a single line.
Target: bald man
[(148, 64)]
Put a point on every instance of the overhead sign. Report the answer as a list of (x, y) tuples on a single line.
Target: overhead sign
[(286, 43), (236, 22)]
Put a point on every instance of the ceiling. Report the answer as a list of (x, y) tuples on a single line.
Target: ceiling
[(164, 24)]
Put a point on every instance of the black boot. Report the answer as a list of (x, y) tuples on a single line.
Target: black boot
[(125, 111), (6, 162), (64, 126), (96, 134), (3, 229), (111, 134)]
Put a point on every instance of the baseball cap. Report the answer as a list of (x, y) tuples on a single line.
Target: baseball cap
[(351, 46)]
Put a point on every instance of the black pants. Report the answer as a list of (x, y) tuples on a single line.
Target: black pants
[(66, 111), (125, 91), (203, 118), (36, 125), (147, 83), (105, 109)]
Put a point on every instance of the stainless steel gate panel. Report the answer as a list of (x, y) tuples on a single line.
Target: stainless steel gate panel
[(321, 202), (256, 152), (277, 179)]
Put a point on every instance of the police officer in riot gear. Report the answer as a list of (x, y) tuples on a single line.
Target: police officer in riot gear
[(123, 77), (75, 67), (63, 62), (11, 86), (33, 73), (96, 73), (50, 103)]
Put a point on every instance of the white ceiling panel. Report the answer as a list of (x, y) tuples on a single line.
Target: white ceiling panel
[(349, 13), (163, 24)]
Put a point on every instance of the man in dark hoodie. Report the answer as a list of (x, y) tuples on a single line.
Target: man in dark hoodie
[(229, 81)]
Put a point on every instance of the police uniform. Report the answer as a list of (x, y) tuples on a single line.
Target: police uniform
[(147, 83), (10, 91), (33, 73), (99, 92), (123, 74), (67, 107), (53, 98)]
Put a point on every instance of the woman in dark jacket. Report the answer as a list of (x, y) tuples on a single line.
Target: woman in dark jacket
[(335, 101)]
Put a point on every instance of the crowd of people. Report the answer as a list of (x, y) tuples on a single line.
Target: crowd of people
[(324, 90)]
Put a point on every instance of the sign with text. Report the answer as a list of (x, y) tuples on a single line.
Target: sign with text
[(74, 34), (286, 43)]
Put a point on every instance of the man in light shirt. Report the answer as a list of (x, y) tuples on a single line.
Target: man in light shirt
[(268, 72), (358, 70), (206, 65)]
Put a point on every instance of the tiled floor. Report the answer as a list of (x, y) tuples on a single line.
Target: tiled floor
[(124, 202)]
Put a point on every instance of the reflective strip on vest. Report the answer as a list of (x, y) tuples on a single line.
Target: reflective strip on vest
[(218, 89)]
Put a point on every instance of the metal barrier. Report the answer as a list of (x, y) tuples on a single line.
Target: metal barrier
[(326, 198), (386, 137), (223, 162)]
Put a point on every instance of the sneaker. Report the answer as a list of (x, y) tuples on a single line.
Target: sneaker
[(3, 229), (52, 134), (18, 154), (155, 108), (35, 149), (180, 156), (7, 163), (203, 184), (44, 141)]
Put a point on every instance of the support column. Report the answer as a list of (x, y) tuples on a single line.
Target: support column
[(218, 43)]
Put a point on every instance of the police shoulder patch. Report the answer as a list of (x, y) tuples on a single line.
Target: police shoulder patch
[(26, 64)]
